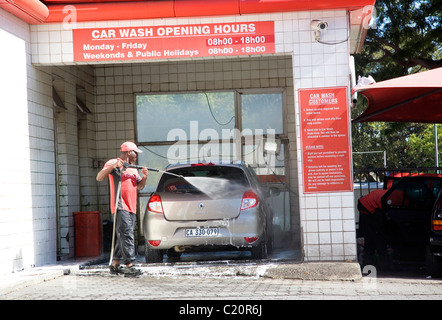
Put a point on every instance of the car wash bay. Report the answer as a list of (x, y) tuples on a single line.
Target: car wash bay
[(157, 103), (229, 103)]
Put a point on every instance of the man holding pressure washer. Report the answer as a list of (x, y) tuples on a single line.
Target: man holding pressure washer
[(124, 182)]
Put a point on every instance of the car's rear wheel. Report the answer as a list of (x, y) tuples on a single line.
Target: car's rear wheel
[(260, 251), (433, 263), (152, 255)]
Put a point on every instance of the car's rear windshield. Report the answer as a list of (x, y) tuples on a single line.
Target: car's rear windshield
[(201, 176)]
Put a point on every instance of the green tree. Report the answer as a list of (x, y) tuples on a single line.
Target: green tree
[(407, 39), (420, 149)]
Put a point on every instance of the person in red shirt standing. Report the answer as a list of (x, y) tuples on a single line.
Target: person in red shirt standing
[(131, 182), (372, 227)]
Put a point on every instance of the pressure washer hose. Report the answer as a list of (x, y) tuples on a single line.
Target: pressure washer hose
[(115, 220)]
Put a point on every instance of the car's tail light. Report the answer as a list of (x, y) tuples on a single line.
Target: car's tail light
[(249, 200), (436, 225), (155, 204), (154, 243), (250, 239)]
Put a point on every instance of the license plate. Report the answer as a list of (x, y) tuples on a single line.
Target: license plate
[(202, 232)]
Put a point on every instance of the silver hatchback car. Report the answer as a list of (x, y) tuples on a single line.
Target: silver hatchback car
[(208, 206)]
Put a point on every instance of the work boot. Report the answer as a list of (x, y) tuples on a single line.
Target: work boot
[(132, 272), (116, 270)]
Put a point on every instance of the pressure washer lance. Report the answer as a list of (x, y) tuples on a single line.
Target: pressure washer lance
[(127, 165)]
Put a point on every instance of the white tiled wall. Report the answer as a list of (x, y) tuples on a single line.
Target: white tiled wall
[(75, 148), (27, 194), (28, 206), (325, 221)]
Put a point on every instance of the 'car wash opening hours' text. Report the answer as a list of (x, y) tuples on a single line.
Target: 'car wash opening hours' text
[(153, 42)]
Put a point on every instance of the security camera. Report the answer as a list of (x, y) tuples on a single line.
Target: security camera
[(319, 25)]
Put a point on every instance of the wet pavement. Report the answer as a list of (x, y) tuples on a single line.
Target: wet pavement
[(96, 284), (227, 277)]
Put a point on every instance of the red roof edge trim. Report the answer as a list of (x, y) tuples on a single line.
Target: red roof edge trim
[(102, 10), (30, 11)]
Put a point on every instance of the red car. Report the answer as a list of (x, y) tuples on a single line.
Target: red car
[(412, 221)]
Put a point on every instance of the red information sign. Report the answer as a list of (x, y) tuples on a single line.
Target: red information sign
[(325, 140), (169, 42)]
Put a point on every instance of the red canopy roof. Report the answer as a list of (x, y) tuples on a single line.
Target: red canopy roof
[(413, 98)]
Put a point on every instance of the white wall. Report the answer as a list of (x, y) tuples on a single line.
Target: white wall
[(27, 193), (28, 206), (75, 149), (327, 219)]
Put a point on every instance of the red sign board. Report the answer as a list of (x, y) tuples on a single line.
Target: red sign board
[(325, 140), (171, 42)]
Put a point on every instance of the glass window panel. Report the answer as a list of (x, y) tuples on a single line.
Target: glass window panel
[(262, 111), (188, 113)]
